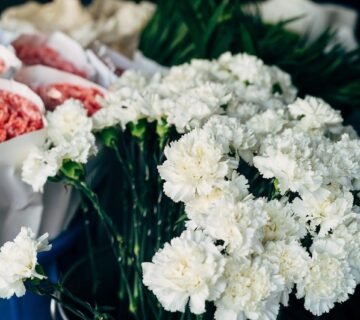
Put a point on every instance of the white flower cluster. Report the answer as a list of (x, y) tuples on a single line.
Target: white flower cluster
[(69, 137), (190, 94), (247, 253), (18, 262)]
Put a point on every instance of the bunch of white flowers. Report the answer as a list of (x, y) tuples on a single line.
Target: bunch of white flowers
[(269, 183), (69, 137), (188, 95)]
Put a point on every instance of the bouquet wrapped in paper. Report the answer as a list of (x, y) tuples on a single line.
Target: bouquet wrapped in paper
[(23, 129), (56, 50), (55, 87)]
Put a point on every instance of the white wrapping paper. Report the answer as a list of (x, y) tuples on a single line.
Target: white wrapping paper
[(18, 204), (11, 62), (36, 76), (105, 74), (66, 47)]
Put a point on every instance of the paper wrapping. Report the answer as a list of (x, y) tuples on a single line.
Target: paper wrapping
[(18, 204), (67, 48), (38, 75), (108, 62), (11, 62)]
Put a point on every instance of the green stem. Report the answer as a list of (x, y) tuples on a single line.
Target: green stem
[(114, 236), (69, 308), (90, 253)]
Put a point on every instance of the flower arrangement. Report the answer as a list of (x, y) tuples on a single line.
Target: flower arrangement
[(263, 188), (266, 192), (223, 191)]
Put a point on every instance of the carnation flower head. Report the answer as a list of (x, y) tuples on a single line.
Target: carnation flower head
[(243, 111), (18, 262), (267, 122), (314, 114), (327, 208), (194, 106), (253, 81), (292, 260), (235, 189), (120, 107), (342, 161), (252, 292), (290, 157), (328, 280), (68, 121), (343, 243), (38, 166), (282, 224), (238, 224), (195, 165), (189, 269), (232, 136), (131, 78)]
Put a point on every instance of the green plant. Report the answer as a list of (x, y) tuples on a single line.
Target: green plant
[(188, 29)]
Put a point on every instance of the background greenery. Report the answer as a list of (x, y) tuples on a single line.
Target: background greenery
[(187, 29)]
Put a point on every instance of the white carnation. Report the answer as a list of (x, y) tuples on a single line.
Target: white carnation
[(68, 121), (342, 161), (242, 110), (290, 157), (344, 243), (328, 280), (38, 166), (282, 80), (189, 269), (253, 81), (314, 113), (282, 223), (78, 150), (131, 78), (121, 106), (235, 189), (69, 138), (195, 165), (292, 260), (253, 291), (268, 122), (18, 262), (194, 106), (238, 224), (325, 208), (232, 136)]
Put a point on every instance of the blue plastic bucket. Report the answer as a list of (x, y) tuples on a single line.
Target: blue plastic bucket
[(31, 306)]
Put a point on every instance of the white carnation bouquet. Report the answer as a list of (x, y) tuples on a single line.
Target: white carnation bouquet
[(269, 183), (225, 192)]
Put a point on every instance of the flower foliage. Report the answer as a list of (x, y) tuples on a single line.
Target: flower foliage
[(181, 31)]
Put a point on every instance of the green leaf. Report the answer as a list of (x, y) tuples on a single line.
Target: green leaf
[(184, 30)]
